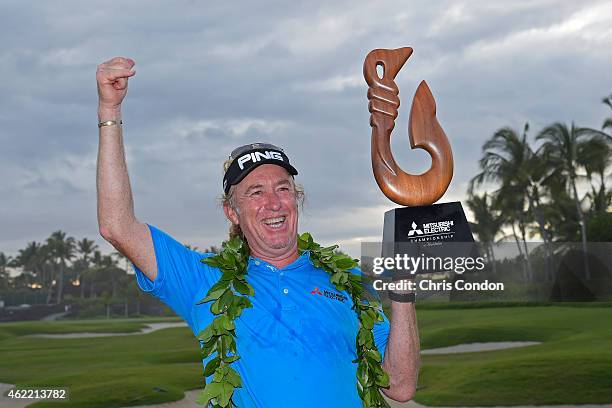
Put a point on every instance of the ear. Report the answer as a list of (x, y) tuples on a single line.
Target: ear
[(230, 213)]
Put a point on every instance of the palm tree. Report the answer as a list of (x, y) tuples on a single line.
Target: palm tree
[(509, 160), (487, 223), (126, 283), (560, 211), (135, 290), (608, 122), (595, 156), (26, 257), (109, 271), (86, 247), (600, 201), (62, 250), (565, 149), (94, 272), (35, 260), (108, 300), (513, 208), (122, 258), (114, 272), (5, 261)]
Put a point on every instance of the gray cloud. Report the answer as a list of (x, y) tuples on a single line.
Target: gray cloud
[(211, 76)]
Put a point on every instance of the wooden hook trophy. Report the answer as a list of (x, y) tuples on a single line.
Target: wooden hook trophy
[(429, 225)]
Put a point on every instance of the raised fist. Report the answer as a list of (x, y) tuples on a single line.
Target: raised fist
[(112, 78)]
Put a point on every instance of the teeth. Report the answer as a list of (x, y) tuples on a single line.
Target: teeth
[(274, 222)]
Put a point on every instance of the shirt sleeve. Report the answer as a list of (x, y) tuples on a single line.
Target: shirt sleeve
[(180, 274), (381, 334)]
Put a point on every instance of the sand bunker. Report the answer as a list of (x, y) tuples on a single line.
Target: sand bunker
[(474, 347), (151, 327)]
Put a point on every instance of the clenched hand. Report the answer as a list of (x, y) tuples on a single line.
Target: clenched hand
[(112, 78)]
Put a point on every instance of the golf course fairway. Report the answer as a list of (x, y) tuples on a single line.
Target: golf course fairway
[(573, 365)]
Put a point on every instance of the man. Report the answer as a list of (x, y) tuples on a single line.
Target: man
[(296, 347)]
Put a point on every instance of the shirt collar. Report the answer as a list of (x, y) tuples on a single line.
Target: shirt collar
[(301, 260)]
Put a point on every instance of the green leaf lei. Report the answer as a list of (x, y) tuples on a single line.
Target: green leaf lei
[(229, 298)]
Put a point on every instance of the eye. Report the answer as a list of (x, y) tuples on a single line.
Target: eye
[(255, 193)]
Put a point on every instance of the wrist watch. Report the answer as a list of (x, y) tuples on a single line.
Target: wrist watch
[(402, 297)]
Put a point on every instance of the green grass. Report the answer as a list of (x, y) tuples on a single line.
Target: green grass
[(101, 372), (496, 304), (572, 366)]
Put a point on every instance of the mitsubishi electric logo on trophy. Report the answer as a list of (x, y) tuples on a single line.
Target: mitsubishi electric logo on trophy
[(431, 231), (427, 225)]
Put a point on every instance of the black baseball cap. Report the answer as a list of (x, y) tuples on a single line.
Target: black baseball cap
[(245, 159)]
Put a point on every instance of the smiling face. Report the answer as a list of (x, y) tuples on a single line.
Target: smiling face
[(266, 210)]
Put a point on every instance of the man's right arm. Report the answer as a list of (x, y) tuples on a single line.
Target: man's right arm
[(116, 219)]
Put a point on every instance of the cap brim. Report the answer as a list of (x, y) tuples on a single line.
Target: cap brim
[(290, 169)]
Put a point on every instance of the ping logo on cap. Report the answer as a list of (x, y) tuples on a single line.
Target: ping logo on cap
[(258, 156)]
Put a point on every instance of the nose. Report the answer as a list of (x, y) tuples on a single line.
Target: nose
[(273, 201)]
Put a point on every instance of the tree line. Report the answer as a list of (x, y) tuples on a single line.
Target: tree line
[(552, 188), (62, 266)]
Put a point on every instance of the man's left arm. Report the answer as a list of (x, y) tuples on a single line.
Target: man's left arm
[(402, 359)]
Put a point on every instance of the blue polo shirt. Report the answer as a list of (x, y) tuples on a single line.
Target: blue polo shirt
[(296, 343)]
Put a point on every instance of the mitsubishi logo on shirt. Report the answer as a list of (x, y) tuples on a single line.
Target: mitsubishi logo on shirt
[(329, 294)]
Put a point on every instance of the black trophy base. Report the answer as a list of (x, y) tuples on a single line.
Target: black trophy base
[(438, 230)]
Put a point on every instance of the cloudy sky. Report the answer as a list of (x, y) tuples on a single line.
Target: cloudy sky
[(214, 75)]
